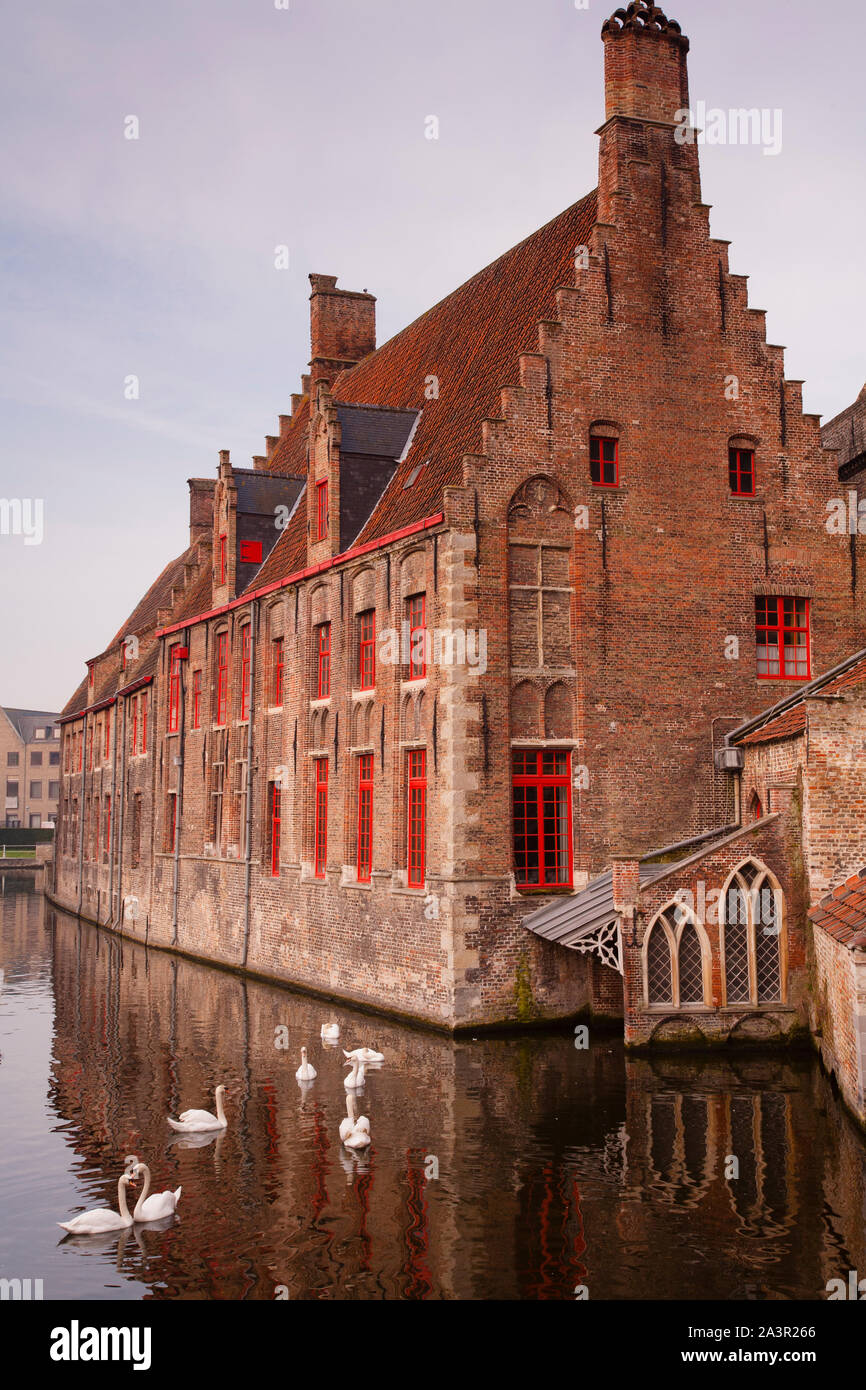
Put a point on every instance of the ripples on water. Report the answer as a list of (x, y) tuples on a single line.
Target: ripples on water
[(556, 1167)]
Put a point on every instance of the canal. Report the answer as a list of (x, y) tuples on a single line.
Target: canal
[(521, 1167)]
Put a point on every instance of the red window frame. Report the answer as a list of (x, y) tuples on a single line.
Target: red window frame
[(107, 841), (80, 736), (367, 650), (250, 552), (741, 472), (90, 746), (134, 725), (222, 661), (365, 817), (323, 661), (277, 650), (107, 734), (173, 688), (416, 608), (542, 819), (779, 624), (245, 671), (276, 818), (320, 848), (196, 699), (322, 510), (223, 558), (603, 469), (416, 829), (143, 721)]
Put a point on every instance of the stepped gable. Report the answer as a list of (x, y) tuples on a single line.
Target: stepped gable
[(470, 342)]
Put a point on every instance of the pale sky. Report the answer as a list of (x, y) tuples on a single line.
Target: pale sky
[(261, 127)]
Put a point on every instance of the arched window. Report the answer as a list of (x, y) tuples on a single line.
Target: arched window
[(660, 987), (753, 912), (756, 810), (674, 960)]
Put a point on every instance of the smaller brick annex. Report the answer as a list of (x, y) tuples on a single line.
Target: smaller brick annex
[(479, 619)]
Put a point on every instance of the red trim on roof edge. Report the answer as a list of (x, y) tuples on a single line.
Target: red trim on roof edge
[(306, 574), (106, 704)]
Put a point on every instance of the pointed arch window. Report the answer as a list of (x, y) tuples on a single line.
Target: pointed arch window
[(753, 913), (674, 960)]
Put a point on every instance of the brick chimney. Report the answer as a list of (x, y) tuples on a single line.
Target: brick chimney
[(342, 327), (646, 93), (201, 491), (645, 68)]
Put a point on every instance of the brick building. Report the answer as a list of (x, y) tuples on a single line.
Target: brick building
[(479, 620), (30, 762)]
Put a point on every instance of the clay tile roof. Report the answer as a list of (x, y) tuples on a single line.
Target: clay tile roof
[(786, 725), (855, 675), (842, 913), (471, 342)]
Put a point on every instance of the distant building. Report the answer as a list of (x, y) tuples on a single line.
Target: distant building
[(30, 762)]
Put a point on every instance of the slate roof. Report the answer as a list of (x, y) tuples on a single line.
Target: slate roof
[(471, 342), (27, 721), (567, 919), (842, 914)]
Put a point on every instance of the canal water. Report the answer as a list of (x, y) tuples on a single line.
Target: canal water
[(519, 1167)]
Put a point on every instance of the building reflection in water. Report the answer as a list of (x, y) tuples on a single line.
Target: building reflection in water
[(512, 1167)]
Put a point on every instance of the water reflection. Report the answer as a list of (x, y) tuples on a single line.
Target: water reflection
[(501, 1168)]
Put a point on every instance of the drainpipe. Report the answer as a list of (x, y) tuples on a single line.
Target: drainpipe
[(81, 804), (249, 807), (117, 919), (113, 837), (178, 795)]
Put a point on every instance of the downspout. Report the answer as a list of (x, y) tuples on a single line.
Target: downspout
[(81, 817), (112, 842), (117, 920), (178, 794), (249, 808)]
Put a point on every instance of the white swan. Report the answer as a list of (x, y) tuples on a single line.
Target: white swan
[(330, 1032), (159, 1205), (306, 1071), (365, 1054), (197, 1121), (93, 1223), (355, 1080), (359, 1138), (347, 1125)]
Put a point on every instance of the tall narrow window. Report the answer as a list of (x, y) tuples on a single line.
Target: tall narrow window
[(134, 725), (542, 819), (170, 822), (320, 851), (365, 817), (752, 931), (223, 558), (196, 699), (277, 671), (367, 650), (604, 461), (107, 840), (323, 661), (80, 747), (782, 637), (136, 830), (144, 704), (660, 987), (173, 688), (217, 783), (107, 734), (321, 511), (245, 671), (741, 472), (222, 661), (90, 746), (415, 618), (275, 809), (417, 821)]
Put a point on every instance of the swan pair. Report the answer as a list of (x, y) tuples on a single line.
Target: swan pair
[(91, 1223), (354, 1132), (200, 1121)]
